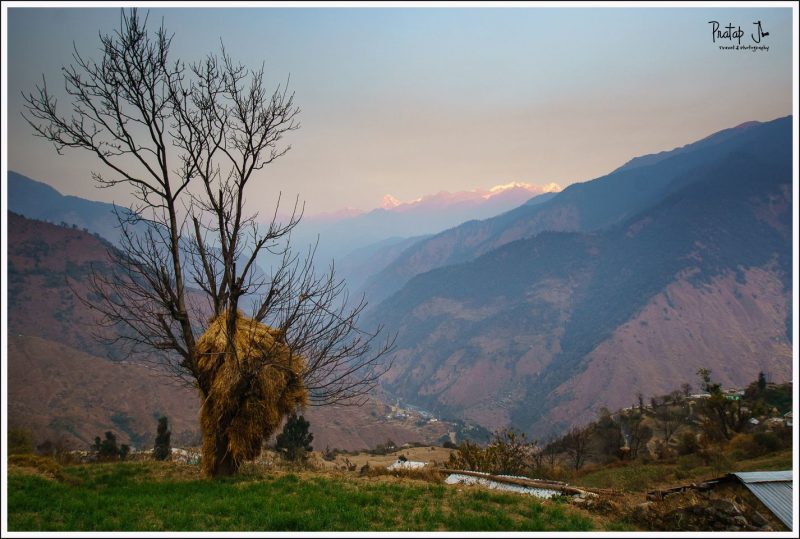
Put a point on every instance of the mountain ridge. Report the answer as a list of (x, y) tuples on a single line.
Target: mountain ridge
[(579, 207), (517, 324)]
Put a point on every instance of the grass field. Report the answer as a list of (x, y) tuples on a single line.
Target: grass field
[(164, 496), (640, 477), (150, 496)]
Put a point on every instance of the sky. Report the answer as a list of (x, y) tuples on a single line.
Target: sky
[(412, 101)]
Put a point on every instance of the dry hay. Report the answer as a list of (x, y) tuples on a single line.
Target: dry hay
[(251, 389)]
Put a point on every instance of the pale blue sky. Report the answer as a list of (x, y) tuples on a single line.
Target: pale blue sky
[(413, 101)]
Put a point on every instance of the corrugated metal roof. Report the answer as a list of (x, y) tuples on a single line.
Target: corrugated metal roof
[(774, 489), (760, 477)]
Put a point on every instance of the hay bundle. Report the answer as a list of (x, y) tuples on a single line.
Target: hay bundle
[(251, 390)]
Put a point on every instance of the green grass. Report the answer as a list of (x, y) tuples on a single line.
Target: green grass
[(782, 460), (636, 477), (639, 477), (150, 497)]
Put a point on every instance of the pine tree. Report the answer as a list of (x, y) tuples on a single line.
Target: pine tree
[(162, 448), (295, 440)]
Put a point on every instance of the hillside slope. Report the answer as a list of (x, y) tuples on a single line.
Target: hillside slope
[(541, 332), (37, 200), (62, 382), (582, 207)]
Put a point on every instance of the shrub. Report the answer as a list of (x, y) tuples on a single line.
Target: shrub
[(470, 456), (45, 465), (384, 448), (329, 454), (687, 443), (556, 473), (295, 440), (662, 450), (509, 453), (108, 447), (744, 446), (58, 450), (162, 448), (108, 450), (767, 441), (349, 466)]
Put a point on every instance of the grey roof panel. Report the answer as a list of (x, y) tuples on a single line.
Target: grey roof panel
[(774, 489), (758, 477)]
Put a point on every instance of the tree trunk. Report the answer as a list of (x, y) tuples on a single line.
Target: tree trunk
[(217, 459), (226, 465)]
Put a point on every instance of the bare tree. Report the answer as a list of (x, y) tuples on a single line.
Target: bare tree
[(187, 141), (550, 453), (608, 435), (638, 434), (576, 443), (669, 419)]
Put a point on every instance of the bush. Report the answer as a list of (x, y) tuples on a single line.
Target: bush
[(45, 465), (295, 440), (687, 443), (662, 450), (162, 448), (767, 441), (509, 453), (108, 447), (744, 446), (108, 450), (384, 448), (59, 450), (556, 473), (329, 454)]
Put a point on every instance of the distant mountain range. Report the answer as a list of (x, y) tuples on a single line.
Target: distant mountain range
[(630, 282), (533, 314), (342, 234), (587, 206)]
